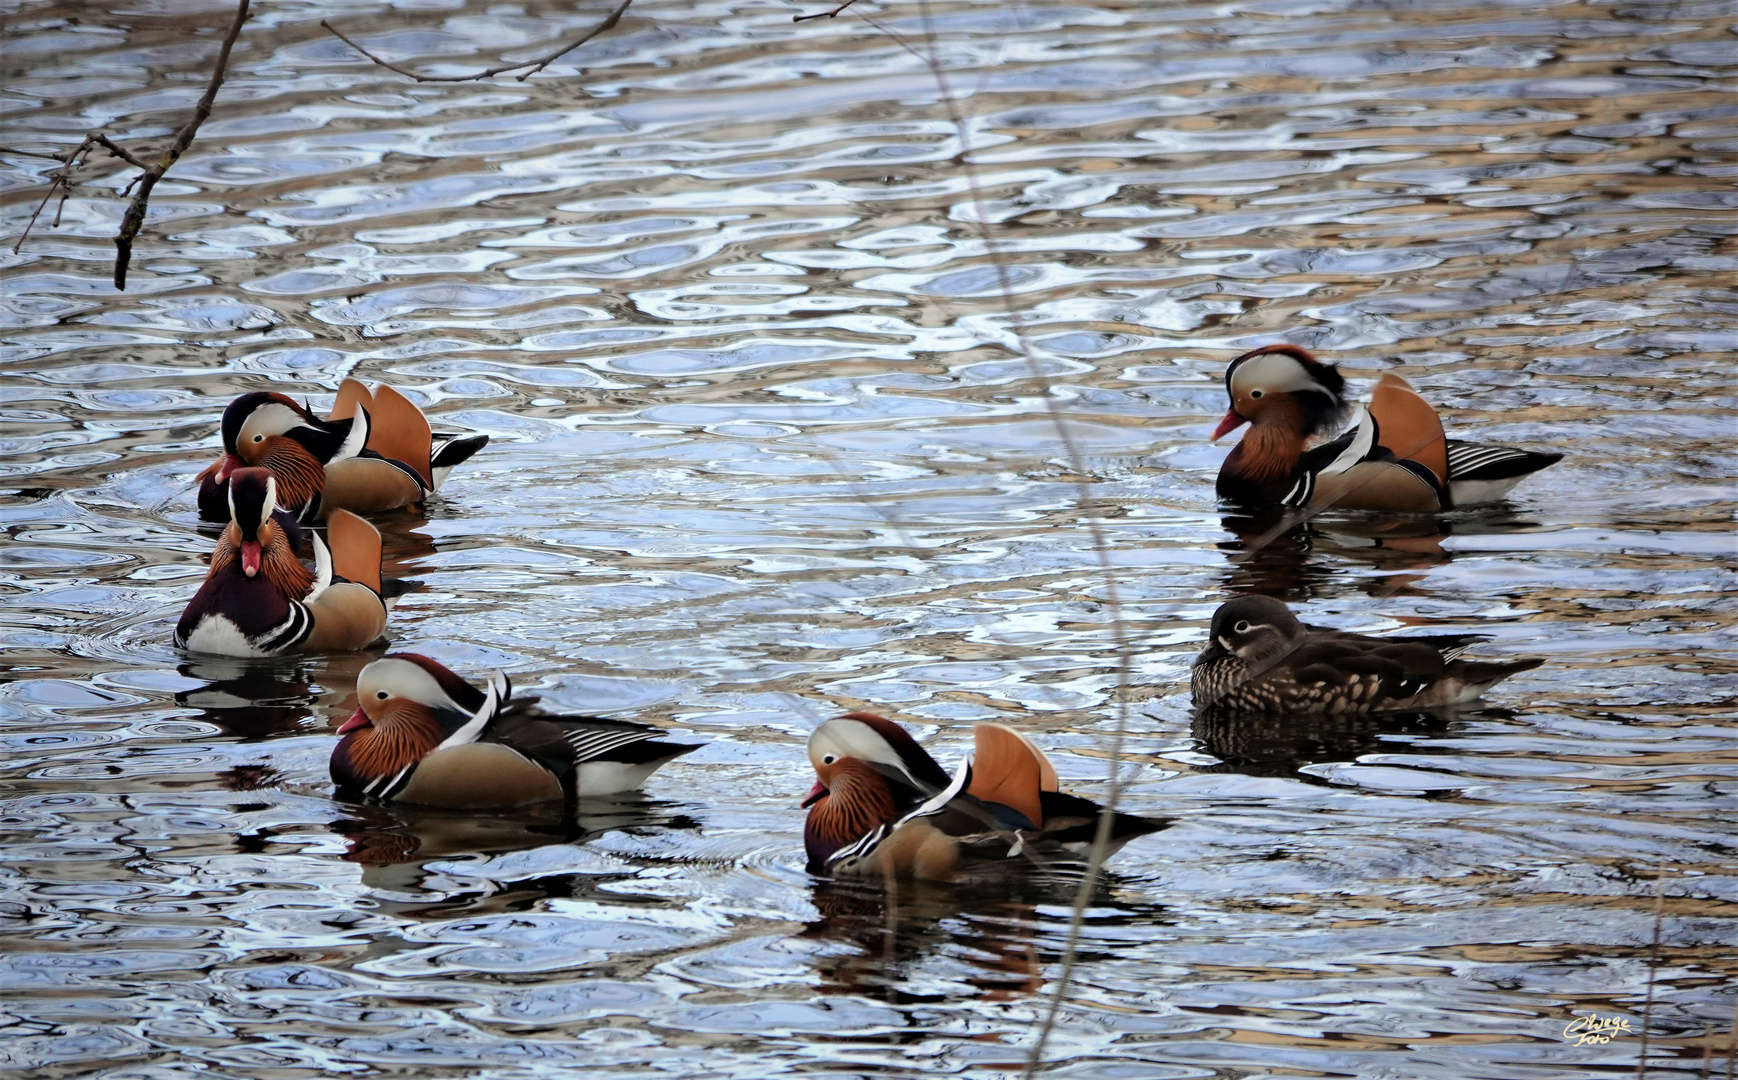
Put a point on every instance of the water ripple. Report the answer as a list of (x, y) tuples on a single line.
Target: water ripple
[(762, 451)]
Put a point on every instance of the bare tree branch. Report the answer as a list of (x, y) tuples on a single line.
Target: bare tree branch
[(134, 218), (833, 14), (535, 65)]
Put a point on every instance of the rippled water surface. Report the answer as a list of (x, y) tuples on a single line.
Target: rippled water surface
[(764, 450)]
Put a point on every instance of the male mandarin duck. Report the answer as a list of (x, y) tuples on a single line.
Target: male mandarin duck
[(259, 600), (882, 807), (1393, 457), (1262, 659), (426, 737), (374, 453)]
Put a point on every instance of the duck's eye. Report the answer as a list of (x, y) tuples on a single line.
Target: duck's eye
[(381, 694), (828, 760), (1242, 627), (262, 438), (1256, 393)]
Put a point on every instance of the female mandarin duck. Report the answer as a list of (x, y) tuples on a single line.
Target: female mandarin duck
[(259, 600), (424, 736), (1394, 456), (374, 453), (883, 808), (1262, 659)]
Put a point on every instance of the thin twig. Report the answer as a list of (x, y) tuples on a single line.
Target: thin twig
[(134, 219), (833, 14), (1653, 964), (535, 65), (33, 153), (58, 180), (118, 151), (34, 214)]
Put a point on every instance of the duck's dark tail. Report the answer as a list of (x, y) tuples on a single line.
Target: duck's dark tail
[(1479, 473), (453, 451)]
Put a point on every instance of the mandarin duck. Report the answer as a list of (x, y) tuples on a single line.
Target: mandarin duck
[(373, 453), (881, 806), (258, 598), (425, 737), (1393, 456), (1262, 659)]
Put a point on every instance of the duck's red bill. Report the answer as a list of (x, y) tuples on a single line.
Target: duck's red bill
[(1231, 423), (814, 795), (249, 558), (358, 719), (229, 464)]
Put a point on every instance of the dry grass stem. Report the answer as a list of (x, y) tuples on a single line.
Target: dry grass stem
[(1653, 965), (833, 14), (1732, 1041)]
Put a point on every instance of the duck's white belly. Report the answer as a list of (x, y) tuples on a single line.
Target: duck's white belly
[(216, 635)]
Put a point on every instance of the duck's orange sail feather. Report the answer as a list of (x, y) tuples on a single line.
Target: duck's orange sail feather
[(355, 547), (1409, 427), (400, 431), (351, 394), (1009, 770)]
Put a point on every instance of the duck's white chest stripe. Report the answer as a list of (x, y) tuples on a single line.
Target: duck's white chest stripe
[(291, 632), (385, 788), (860, 848)]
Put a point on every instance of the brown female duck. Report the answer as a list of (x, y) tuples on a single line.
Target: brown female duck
[(1261, 659)]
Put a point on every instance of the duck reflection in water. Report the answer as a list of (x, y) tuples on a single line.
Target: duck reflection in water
[(1279, 553), (888, 938), (398, 847), (1272, 553), (255, 698), (1254, 744)]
